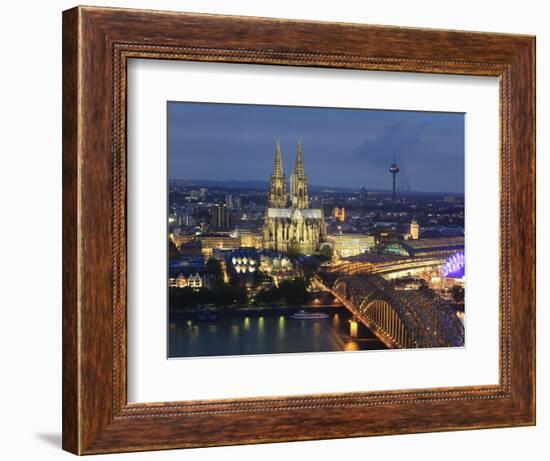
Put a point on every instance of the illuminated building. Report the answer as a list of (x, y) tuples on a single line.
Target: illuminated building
[(251, 267), (339, 214), (181, 239), (454, 266), (194, 281), (277, 196), (243, 261), (275, 264), (181, 281), (222, 242), (345, 245), (177, 282), (414, 230), (289, 223), (250, 239)]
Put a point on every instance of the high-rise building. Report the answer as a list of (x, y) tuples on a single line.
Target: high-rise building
[(220, 216), (185, 220), (363, 196), (289, 224), (232, 202)]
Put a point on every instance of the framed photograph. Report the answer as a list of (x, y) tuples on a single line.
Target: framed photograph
[(281, 230)]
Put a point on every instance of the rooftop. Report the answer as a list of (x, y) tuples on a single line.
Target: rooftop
[(433, 243), (295, 213)]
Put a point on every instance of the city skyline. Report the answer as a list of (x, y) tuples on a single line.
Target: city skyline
[(364, 142), (262, 262)]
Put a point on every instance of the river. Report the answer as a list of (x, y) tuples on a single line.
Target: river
[(266, 331)]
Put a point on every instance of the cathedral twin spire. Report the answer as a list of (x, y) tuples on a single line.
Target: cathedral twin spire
[(277, 197), (278, 168), (299, 166)]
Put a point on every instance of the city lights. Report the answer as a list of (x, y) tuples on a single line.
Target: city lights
[(454, 266), (331, 253)]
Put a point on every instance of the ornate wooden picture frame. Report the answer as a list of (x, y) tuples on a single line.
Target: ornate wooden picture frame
[(97, 44)]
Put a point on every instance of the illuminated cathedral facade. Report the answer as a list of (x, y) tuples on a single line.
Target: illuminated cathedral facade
[(289, 224)]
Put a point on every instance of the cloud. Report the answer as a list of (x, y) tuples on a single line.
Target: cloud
[(346, 147)]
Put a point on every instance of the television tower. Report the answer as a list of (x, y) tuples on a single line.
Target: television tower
[(394, 169)]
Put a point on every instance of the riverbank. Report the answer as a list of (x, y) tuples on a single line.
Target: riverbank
[(245, 308)]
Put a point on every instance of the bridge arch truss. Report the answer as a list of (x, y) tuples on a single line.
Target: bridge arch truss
[(400, 319)]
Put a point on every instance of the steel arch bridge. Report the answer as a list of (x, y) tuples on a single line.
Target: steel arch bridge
[(399, 318)]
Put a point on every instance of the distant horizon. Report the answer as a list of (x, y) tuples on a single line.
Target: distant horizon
[(318, 186), (236, 142)]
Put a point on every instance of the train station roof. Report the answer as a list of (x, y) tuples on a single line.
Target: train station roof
[(433, 245)]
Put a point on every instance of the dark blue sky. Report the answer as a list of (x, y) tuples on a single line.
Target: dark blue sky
[(341, 147)]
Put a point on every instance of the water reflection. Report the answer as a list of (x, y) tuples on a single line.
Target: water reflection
[(281, 327), (352, 346), (242, 332), (261, 328)]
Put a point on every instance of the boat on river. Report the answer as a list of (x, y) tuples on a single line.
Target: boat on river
[(303, 315)]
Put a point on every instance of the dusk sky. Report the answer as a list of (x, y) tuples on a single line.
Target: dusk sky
[(341, 147)]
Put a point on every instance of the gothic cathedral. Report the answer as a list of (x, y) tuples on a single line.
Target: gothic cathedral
[(289, 224)]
